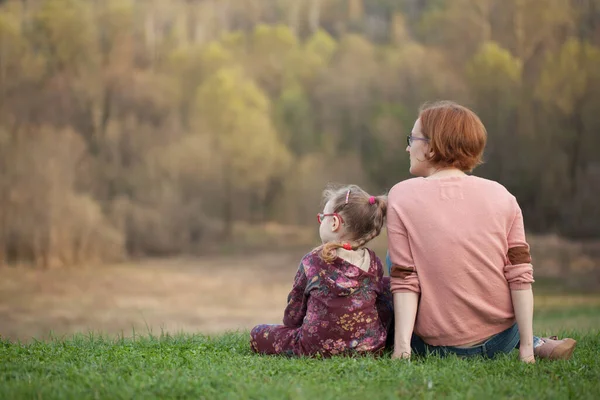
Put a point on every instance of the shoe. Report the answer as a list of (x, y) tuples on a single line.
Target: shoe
[(554, 349)]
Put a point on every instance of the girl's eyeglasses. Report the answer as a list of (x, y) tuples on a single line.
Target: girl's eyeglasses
[(410, 139), (321, 216)]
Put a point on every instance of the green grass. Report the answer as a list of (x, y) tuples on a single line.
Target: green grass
[(223, 367)]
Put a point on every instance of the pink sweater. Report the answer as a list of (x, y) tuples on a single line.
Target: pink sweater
[(460, 243)]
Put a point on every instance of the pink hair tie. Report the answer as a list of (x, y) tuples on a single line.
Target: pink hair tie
[(372, 200)]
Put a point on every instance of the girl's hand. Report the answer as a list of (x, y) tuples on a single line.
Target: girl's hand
[(526, 355)]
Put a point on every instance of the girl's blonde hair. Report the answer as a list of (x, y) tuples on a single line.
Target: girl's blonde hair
[(363, 215)]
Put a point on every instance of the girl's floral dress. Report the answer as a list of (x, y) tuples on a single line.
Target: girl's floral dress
[(332, 309)]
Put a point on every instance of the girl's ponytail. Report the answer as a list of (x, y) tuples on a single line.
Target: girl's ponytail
[(328, 252), (381, 202)]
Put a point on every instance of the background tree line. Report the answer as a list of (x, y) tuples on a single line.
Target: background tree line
[(153, 127)]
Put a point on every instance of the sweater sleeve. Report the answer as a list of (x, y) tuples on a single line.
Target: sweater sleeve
[(518, 270), (403, 273), (297, 301)]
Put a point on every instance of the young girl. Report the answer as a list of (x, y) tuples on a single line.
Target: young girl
[(340, 302)]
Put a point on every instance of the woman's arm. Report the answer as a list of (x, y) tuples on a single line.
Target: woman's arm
[(519, 275), (405, 284), (523, 305), (405, 312)]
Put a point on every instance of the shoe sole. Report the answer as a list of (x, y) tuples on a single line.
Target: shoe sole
[(563, 351)]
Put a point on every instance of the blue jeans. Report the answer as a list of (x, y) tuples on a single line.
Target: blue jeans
[(503, 342)]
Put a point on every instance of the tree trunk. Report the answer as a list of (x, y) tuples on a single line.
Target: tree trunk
[(356, 10), (3, 229), (575, 162), (314, 16), (270, 198), (294, 16), (191, 22), (106, 109), (224, 11), (227, 203), (150, 35)]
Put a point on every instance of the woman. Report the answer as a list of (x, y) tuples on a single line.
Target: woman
[(460, 266)]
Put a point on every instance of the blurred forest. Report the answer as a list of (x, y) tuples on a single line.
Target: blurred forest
[(155, 127)]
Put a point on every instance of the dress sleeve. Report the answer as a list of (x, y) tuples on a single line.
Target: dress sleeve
[(297, 300), (518, 269), (403, 273)]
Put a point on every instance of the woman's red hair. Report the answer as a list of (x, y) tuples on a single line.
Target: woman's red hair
[(456, 135)]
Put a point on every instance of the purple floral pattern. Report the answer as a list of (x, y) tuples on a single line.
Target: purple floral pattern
[(332, 309)]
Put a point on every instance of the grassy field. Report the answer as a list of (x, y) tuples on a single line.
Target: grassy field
[(217, 294), (222, 367)]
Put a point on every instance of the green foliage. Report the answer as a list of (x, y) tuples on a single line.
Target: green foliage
[(345, 93), (10, 35), (568, 77), (494, 77), (535, 23), (275, 90), (391, 122), (215, 56), (62, 29), (247, 150), (308, 63), (321, 44), (17, 59), (295, 120), (235, 113), (270, 52), (457, 26), (494, 69)]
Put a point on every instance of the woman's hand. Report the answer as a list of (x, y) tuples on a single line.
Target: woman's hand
[(401, 354), (526, 354)]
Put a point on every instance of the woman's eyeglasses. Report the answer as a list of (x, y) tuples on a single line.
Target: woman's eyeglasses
[(410, 139), (321, 216)]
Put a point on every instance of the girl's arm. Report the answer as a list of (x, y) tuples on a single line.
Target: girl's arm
[(297, 301)]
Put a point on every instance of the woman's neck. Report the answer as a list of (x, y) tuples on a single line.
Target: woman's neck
[(440, 173)]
